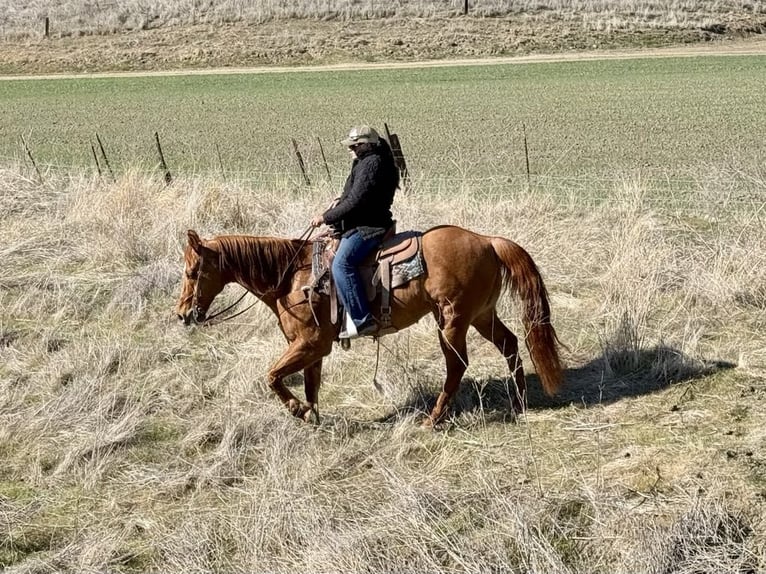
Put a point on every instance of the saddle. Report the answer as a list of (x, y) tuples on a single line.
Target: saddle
[(398, 260)]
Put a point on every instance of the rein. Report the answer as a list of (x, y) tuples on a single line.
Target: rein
[(208, 322), (305, 236)]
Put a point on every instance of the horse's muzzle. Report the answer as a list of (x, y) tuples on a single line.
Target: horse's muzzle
[(192, 316)]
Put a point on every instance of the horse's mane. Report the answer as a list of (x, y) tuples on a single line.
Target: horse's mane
[(258, 260)]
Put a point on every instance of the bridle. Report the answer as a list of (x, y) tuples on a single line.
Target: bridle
[(207, 321)]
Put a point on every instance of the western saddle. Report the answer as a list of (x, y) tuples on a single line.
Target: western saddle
[(397, 261)]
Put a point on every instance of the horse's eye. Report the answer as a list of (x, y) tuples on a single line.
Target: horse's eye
[(193, 275)]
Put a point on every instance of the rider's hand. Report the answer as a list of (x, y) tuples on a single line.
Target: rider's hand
[(317, 220)]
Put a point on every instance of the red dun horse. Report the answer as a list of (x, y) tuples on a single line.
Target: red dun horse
[(466, 273)]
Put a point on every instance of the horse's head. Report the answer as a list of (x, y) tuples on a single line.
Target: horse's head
[(202, 280)]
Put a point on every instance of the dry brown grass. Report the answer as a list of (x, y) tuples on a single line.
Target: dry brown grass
[(88, 36), (86, 16), (131, 444)]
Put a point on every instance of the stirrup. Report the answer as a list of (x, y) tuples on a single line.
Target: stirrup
[(349, 330)]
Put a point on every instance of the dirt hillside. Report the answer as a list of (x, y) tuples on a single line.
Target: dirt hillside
[(314, 42)]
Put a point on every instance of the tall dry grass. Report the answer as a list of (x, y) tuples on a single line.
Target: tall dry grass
[(98, 17), (132, 444)]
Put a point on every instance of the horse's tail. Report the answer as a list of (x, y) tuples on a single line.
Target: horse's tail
[(521, 275)]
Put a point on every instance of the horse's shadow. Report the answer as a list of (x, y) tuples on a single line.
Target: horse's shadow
[(608, 378)]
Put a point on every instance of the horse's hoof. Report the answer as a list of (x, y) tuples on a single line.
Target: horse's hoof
[(518, 409), (311, 416), (511, 417), (428, 424), (296, 408)]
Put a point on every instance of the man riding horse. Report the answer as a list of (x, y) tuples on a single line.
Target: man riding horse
[(463, 275), (362, 217)]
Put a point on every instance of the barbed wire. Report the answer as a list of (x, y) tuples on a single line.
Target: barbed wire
[(580, 189), (143, 169)]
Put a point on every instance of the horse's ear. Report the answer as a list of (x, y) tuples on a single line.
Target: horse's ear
[(194, 241)]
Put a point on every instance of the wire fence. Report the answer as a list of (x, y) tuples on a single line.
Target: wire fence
[(731, 188), (645, 174)]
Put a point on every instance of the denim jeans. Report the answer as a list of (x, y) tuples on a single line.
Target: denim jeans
[(351, 252)]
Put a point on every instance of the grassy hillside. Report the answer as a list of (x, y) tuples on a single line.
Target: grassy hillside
[(82, 16), (132, 444), (87, 36)]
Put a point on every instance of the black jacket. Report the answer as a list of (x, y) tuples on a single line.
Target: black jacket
[(367, 195)]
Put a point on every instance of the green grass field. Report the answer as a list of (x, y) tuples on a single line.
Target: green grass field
[(661, 117)]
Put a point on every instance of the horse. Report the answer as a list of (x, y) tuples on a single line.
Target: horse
[(466, 273)]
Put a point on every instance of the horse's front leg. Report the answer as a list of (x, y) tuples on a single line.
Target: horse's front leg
[(299, 355), (312, 378)]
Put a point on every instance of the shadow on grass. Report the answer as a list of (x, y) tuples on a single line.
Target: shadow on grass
[(613, 376), (617, 375)]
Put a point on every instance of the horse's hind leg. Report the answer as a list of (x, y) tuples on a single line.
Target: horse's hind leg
[(492, 328), (452, 341)]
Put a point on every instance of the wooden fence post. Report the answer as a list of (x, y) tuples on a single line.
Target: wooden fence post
[(324, 159), (95, 158), (106, 159), (47, 27), (300, 162), (526, 152), (163, 165), (34, 164), (465, 8)]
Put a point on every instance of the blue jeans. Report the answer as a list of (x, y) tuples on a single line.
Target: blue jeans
[(351, 252)]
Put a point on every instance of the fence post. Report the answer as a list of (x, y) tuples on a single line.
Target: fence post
[(465, 8), (300, 162), (163, 165), (47, 26), (526, 152), (106, 159), (324, 159), (34, 164), (95, 158)]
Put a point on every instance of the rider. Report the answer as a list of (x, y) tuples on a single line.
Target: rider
[(363, 216)]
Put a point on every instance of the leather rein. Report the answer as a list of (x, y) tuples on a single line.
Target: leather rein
[(304, 238)]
